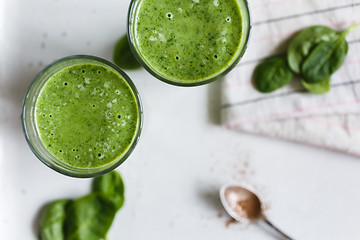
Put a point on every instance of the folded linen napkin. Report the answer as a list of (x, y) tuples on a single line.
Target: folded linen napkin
[(331, 120)]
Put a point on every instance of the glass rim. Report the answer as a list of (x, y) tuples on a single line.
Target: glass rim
[(60, 166), (212, 78)]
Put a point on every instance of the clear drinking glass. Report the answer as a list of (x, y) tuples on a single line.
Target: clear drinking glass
[(29, 117), (134, 45)]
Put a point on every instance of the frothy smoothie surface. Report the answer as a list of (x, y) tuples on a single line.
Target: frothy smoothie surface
[(86, 115), (188, 40)]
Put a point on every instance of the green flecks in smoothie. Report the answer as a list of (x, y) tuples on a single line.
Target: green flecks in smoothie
[(188, 39), (86, 115)]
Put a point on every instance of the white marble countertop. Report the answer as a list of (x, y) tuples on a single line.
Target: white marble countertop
[(183, 157)]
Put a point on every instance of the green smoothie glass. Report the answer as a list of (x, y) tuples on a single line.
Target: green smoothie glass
[(188, 42), (82, 116)]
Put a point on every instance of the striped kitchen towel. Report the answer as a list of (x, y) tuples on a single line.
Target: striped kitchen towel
[(331, 120)]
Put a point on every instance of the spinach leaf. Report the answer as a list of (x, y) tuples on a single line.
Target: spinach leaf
[(303, 42), (110, 186), (122, 55), (326, 58), (86, 218), (272, 74), (51, 220), (89, 218), (317, 88)]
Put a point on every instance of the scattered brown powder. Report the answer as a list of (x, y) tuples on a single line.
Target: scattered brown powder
[(230, 221)]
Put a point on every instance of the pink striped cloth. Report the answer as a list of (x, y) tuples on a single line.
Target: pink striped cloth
[(331, 120)]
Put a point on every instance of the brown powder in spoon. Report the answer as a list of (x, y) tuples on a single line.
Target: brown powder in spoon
[(243, 202)]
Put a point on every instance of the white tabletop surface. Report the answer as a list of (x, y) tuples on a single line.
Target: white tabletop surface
[(183, 157)]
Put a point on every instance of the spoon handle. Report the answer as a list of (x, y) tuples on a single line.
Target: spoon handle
[(285, 237)]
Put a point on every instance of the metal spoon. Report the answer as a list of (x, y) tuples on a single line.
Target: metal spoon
[(242, 204)]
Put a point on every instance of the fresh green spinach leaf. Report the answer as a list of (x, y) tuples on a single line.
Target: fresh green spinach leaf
[(303, 42), (122, 55), (89, 218), (326, 58), (52, 219), (272, 74), (317, 88), (86, 218), (110, 186)]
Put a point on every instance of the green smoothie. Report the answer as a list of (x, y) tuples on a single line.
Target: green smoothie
[(188, 40), (86, 115)]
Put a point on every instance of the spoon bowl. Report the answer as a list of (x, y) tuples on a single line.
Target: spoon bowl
[(243, 204)]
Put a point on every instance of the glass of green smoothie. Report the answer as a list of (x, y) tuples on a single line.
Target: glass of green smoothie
[(188, 42), (82, 116)]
